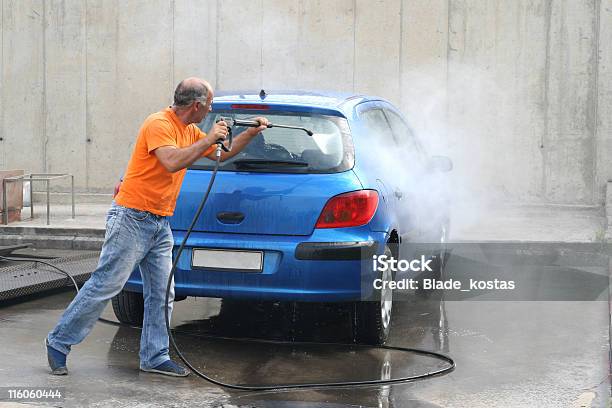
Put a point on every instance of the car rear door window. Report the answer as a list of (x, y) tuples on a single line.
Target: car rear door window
[(404, 137), (376, 124)]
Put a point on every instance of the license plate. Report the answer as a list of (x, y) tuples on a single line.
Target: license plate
[(227, 259)]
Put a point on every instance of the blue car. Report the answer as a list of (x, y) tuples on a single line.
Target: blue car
[(297, 217)]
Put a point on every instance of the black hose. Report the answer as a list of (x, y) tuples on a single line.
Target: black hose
[(450, 367)]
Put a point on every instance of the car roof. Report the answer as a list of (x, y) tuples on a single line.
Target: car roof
[(339, 101)]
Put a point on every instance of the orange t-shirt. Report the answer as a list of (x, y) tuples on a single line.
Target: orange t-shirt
[(147, 185)]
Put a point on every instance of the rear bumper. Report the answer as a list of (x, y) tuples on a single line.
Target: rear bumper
[(326, 266), (335, 251)]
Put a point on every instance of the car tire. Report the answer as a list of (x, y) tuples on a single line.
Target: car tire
[(129, 307), (372, 319)]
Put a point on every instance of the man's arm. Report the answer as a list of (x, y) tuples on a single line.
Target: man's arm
[(175, 159), (241, 140)]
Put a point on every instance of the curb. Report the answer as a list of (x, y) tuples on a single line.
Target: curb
[(54, 238)]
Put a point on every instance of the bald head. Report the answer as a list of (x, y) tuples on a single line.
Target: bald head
[(189, 90)]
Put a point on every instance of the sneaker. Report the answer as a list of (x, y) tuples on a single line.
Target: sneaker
[(56, 359), (168, 367)]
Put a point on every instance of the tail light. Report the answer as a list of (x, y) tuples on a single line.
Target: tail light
[(349, 209)]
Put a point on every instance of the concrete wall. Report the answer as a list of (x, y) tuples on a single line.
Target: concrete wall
[(517, 92)]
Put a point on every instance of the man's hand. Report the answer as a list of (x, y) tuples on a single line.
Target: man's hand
[(118, 187), (218, 131), (263, 126)]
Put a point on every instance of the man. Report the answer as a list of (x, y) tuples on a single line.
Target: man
[(137, 229)]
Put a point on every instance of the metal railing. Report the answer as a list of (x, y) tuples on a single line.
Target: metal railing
[(46, 177)]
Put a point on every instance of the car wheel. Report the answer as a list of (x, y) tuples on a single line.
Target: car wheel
[(372, 319), (129, 307)]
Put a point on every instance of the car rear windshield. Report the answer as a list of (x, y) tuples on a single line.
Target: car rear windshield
[(328, 150)]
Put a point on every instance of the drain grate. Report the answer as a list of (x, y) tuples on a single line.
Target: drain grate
[(26, 278)]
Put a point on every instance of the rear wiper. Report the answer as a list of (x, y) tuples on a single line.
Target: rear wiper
[(250, 163)]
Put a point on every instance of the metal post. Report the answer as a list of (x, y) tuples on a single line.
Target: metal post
[(31, 199), (48, 197), (4, 206), (72, 190)]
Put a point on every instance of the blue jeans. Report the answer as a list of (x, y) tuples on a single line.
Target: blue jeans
[(133, 238)]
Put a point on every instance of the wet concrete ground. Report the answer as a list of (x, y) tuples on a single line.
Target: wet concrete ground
[(542, 348)]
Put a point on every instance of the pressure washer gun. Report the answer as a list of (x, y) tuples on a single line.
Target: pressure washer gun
[(248, 123), (230, 137)]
